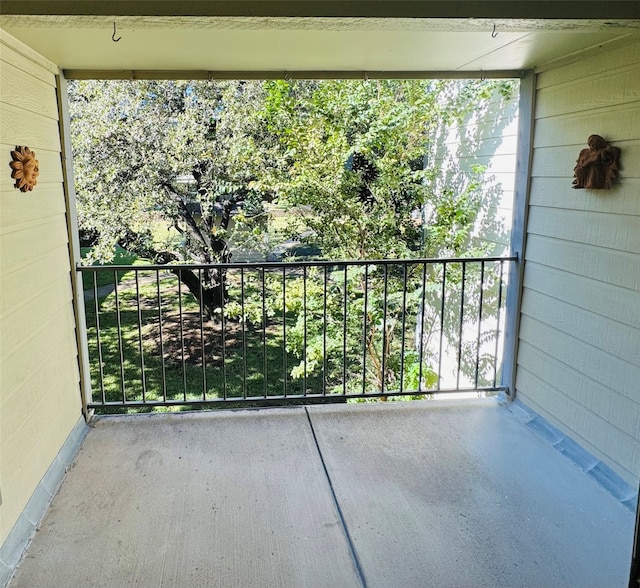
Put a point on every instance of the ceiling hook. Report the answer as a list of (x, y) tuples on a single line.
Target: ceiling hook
[(113, 37), (494, 33)]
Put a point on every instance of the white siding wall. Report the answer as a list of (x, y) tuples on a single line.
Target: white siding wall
[(579, 353), (487, 137), (39, 381)]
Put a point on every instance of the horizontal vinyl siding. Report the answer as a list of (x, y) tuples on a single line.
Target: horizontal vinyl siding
[(601, 229), (488, 137), (604, 300), (582, 124), (585, 427), (547, 194), (611, 337), (553, 162), (601, 367), (39, 381), (606, 265), (586, 65), (18, 369), (608, 87), (579, 353)]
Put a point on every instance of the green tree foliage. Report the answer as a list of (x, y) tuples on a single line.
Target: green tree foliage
[(183, 155)]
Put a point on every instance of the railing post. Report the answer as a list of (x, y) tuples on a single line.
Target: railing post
[(519, 231), (74, 244), (634, 576)]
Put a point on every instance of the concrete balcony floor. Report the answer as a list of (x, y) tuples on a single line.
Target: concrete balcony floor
[(430, 493)]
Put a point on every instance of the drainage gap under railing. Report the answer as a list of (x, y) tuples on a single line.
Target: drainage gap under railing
[(298, 332)]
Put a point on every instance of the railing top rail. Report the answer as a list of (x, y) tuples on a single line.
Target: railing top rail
[(292, 264)]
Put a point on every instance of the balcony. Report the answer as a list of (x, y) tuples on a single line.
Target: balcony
[(333, 489), (425, 493)]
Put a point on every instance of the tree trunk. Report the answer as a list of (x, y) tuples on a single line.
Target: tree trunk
[(207, 286)]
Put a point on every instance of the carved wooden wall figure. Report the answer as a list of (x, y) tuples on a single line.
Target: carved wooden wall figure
[(597, 166), (25, 168)]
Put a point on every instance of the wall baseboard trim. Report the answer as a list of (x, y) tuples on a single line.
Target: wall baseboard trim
[(25, 528), (591, 465)]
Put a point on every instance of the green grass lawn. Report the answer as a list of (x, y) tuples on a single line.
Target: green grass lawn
[(122, 257)]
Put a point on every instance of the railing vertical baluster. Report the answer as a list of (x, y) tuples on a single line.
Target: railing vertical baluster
[(181, 316), (344, 334), (442, 308), (164, 373), (120, 345), (364, 329), (421, 328), (324, 335), (304, 327), (98, 340), (480, 302), (495, 355), (464, 271), (223, 327), (264, 333), (284, 330), (244, 335), (404, 324), (384, 329), (143, 378), (202, 347)]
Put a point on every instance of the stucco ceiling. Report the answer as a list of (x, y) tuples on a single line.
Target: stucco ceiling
[(290, 44)]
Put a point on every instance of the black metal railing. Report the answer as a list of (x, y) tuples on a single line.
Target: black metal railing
[(276, 333)]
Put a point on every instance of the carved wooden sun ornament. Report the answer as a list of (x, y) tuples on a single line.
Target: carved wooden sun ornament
[(25, 168)]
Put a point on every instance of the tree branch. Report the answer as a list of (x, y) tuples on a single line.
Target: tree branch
[(194, 230)]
